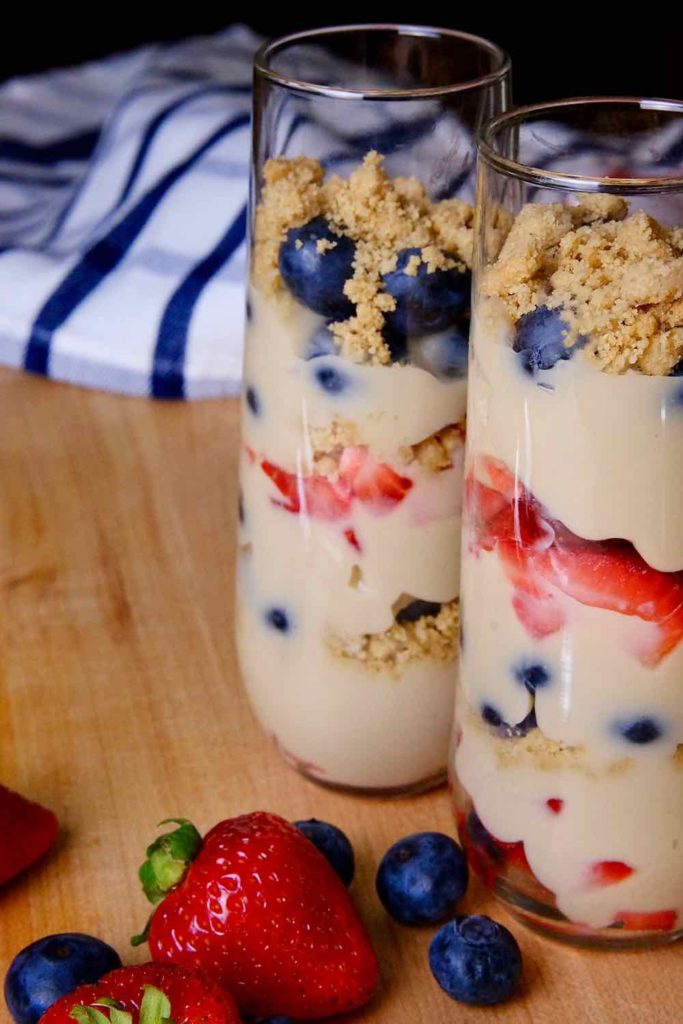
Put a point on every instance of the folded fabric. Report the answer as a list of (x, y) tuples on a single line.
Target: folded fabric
[(123, 190)]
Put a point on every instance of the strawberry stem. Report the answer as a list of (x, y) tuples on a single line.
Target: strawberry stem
[(165, 864), (168, 858)]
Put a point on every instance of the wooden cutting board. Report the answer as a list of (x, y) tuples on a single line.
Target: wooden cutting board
[(121, 704)]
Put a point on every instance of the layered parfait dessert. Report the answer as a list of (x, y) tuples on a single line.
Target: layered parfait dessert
[(569, 724), (351, 470)]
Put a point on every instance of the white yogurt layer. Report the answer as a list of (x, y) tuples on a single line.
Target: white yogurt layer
[(370, 729)]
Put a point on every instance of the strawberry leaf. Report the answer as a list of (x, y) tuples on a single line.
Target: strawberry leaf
[(168, 858)]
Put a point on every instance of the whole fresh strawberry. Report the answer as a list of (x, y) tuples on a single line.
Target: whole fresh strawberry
[(146, 994), (257, 907), (27, 831)]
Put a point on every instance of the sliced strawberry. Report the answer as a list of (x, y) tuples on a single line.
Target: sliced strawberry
[(539, 552), (353, 540), (27, 831), (637, 921), (608, 872), (374, 483), (316, 496), (555, 804)]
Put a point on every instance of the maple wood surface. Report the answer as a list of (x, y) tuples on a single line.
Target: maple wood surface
[(121, 702)]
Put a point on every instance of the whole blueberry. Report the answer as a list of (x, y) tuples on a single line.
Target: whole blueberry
[(678, 369), (476, 960), (278, 619), (540, 339), (421, 878), (275, 1020), (425, 302), (52, 967), (506, 730), (331, 376), (444, 355), (532, 674), (333, 845), (321, 343), (417, 610), (640, 730), (315, 263), (253, 400)]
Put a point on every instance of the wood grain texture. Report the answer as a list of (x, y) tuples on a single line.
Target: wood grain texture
[(121, 704)]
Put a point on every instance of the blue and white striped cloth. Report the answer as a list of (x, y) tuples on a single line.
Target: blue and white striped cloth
[(123, 190)]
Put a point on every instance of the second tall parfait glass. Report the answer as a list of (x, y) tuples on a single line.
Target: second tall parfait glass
[(354, 395), (568, 754)]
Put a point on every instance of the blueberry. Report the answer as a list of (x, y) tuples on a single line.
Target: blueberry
[(253, 400), (418, 610), (396, 343), (278, 619), (640, 730), (333, 845), (443, 355), (317, 278), (677, 370), (540, 339), (504, 729), (52, 967), (275, 1020), (476, 960), (331, 378), (421, 878), (532, 675), (425, 302), (322, 343)]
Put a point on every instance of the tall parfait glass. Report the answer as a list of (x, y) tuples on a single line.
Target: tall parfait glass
[(355, 392), (568, 751)]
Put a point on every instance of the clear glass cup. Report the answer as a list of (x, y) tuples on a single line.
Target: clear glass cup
[(568, 752), (354, 394)]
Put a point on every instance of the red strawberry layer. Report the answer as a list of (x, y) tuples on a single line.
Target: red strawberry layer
[(542, 559), (360, 478)]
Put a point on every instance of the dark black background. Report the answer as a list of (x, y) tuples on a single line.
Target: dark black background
[(557, 50)]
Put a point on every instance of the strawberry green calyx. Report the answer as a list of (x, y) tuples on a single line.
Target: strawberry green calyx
[(167, 860), (154, 1009)]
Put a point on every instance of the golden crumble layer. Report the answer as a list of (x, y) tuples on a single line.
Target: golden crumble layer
[(617, 277), (381, 215), (434, 454), (433, 637)]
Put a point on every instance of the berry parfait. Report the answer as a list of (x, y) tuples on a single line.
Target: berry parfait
[(354, 395), (568, 750)]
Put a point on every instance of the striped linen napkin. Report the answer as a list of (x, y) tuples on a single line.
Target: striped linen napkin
[(123, 189)]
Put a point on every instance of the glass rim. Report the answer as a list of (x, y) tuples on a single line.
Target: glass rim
[(270, 48), (562, 179)]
